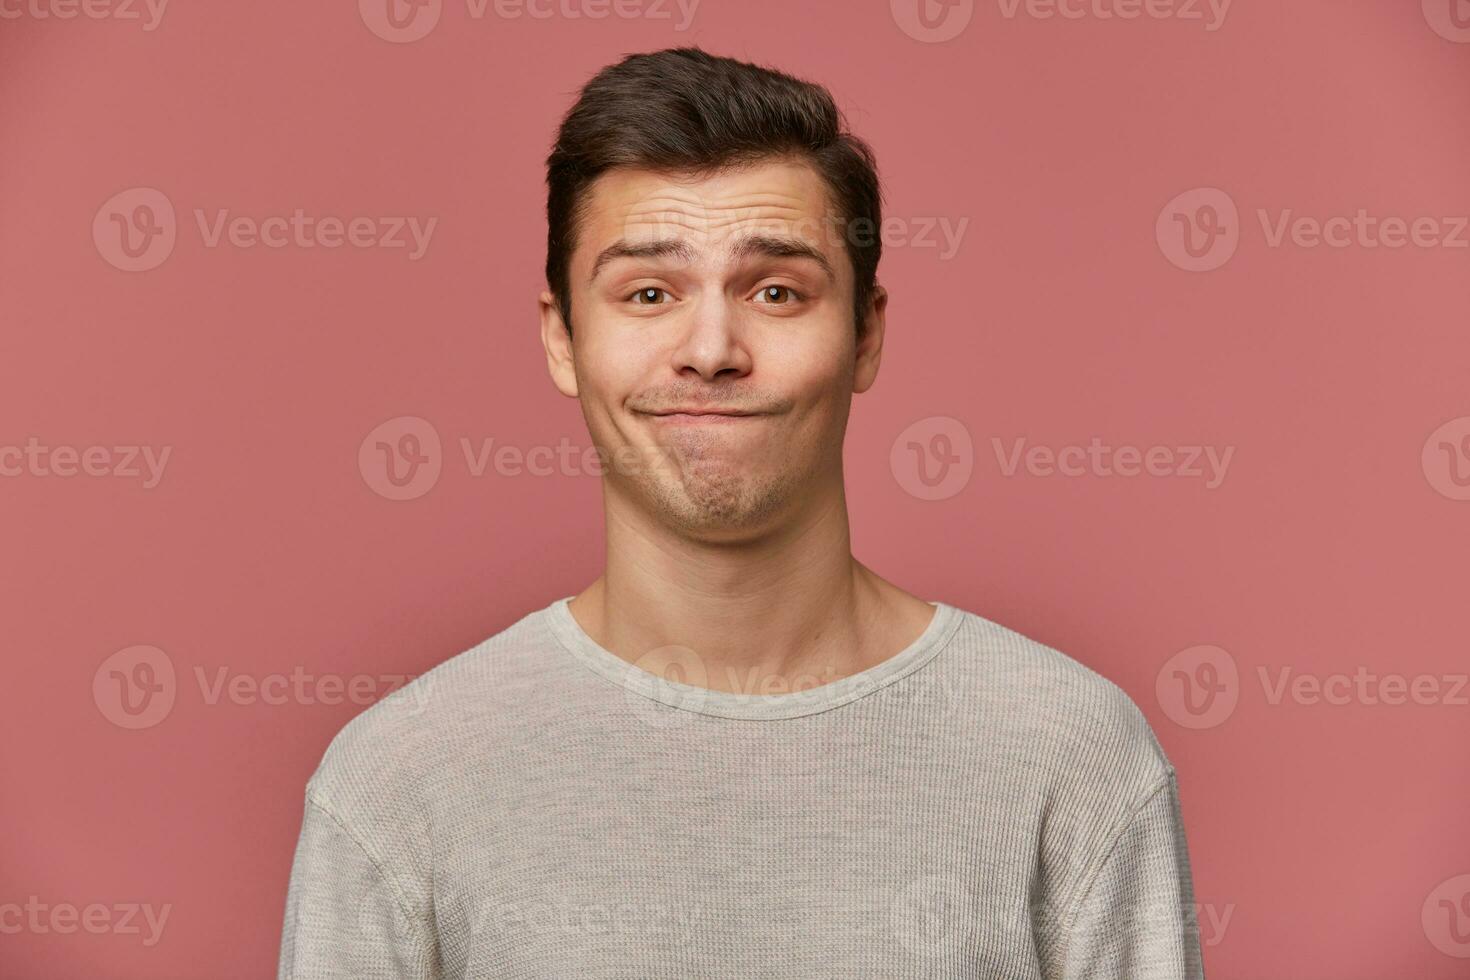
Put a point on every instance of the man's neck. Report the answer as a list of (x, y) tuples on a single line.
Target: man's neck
[(790, 611)]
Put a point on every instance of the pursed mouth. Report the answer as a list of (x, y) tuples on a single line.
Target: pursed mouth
[(728, 412), (706, 416)]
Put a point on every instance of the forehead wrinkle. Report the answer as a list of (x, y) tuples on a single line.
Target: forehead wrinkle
[(665, 219), (690, 215), (717, 218), (760, 207), (660, 203)]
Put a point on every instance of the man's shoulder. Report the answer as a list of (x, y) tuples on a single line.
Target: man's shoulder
[(1047, 699), (399, 739)]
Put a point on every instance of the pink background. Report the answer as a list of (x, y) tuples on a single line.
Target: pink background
[(1328, 833)]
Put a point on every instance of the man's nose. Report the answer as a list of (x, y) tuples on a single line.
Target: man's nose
[(713, 342)]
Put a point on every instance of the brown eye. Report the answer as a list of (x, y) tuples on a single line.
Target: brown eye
[(648, 297), (776, 295)]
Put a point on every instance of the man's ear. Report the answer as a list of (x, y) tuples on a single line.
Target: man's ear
[(870, 343), (558, 343)]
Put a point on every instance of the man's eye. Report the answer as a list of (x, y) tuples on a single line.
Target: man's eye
[(776, 295), (649, 296)]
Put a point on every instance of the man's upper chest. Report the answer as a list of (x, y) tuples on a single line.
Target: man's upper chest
[(669, 849)]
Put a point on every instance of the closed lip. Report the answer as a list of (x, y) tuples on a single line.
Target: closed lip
[(704, 411)]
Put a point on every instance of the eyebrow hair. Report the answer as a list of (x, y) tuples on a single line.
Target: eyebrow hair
[(622, 249), (781, 247), (775, 246)]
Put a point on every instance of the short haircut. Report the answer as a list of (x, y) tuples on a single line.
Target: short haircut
[(684, 111)]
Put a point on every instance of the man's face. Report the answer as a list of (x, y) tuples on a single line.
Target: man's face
[(731, 296)]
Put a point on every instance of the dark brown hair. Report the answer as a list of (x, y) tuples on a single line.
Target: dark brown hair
[(682, 110)]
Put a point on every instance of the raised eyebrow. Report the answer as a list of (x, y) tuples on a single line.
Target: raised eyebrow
[(780, 246), (622, 249)]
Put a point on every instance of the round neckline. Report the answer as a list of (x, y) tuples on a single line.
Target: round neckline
[(728, 704)]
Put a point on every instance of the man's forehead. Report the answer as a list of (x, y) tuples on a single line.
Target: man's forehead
[(787, 197)]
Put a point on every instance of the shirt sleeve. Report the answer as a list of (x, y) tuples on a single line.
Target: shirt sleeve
[(344, 917), (1134, 916)]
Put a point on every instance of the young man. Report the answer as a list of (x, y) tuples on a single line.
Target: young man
[(739, 752)]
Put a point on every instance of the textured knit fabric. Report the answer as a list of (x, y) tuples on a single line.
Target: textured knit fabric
[(978, 805)]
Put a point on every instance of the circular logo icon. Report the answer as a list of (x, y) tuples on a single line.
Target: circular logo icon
[(1198, 687), (400, 21), (933, 458), (932, 21), (381, 923), (1446, 917), (135, 687), (401, 459), (1199, 230), (1446, 459), (674, 678), (135, 229), (1450, 19), (932, 914)]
